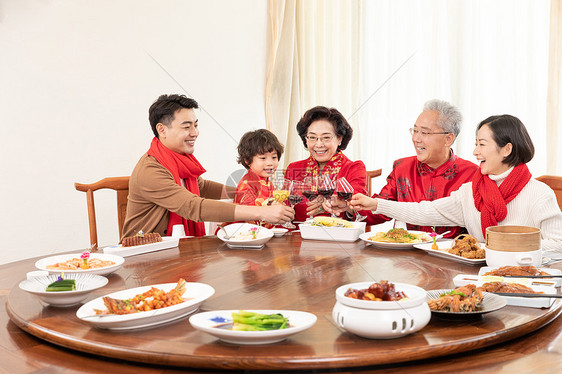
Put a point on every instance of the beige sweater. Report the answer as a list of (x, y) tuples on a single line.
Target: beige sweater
[(153, 194)]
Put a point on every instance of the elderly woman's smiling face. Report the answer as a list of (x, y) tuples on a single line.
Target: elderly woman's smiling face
[(321, 141)]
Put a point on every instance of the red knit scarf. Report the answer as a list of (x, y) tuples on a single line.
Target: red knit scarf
[(332, 167), (491, 200), (184, 167)]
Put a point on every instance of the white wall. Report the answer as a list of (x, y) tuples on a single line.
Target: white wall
[(76, 81)]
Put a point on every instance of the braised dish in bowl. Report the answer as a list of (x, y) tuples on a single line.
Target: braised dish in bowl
[(404, 312)]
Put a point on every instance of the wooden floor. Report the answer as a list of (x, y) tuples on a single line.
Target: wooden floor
[(284, 264)]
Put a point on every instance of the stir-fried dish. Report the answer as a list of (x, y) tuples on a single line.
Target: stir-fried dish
[(399, 236), (78, 263)]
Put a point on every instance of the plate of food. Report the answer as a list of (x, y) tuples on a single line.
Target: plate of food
[(142, 243), (331, 228), (83, 263), (140, 307), (245, 235), (463, 249), (64, 291), (252, 326), (463, 301), (515, 272), (396, 238)]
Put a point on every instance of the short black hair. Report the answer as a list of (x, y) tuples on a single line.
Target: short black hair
[(255, 143), (509, 129), (332, 115), (164, 108)]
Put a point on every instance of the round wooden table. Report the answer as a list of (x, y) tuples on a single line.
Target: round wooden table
[(291, 274)]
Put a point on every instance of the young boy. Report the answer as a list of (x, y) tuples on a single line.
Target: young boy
[(259, 151)]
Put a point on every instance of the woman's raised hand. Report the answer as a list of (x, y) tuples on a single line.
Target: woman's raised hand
[(362, 202)]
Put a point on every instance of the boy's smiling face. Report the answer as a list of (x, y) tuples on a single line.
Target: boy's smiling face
[(265, 164)]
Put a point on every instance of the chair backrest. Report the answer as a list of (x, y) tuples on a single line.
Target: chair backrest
[(555, 183), (121, 186), (370, 175)]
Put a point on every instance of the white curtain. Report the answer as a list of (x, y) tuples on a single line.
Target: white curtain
[(554, 98), (379, 61), (313, 60)]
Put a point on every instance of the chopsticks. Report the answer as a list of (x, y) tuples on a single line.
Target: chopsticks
[(531, 276), (555, 296)]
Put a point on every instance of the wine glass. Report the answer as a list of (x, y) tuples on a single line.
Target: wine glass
[(295, 197), (327, 187), (344, 191), (310, 189), (281, 190)]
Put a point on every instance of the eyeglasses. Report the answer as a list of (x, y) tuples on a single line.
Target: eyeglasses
[(414, 131), (323, 139)]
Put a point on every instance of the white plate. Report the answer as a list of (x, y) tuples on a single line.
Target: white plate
[(490, 303), (532, 302), (44, 262), (196, 293), (263, 235), (167, 242), (279, 231), (85, 283), (338, 234), (208, 322), (444, 247), (557, 281), (365, 237)]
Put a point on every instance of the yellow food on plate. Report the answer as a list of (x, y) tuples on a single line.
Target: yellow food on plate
[(331, 222), (399, 236)]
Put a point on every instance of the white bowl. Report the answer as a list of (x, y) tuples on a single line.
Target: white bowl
[(382, 319), (85, 283), (279, 231), (263, 236), (500, 258), (339, 234)]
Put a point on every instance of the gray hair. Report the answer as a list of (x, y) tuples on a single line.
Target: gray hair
[(450, 118)]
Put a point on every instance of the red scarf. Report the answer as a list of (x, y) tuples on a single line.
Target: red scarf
[(491, 200), (184, 167), (331, 168)]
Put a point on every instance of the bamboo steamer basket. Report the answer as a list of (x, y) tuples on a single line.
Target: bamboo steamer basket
[(513, 238)]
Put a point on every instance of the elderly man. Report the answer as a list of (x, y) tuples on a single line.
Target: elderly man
[(165, 188), (435, 171)]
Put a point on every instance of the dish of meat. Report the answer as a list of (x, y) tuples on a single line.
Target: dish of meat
[(546, 271), (443, 251), (474, 303)]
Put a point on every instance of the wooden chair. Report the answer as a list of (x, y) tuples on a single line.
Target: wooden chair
[(370, 175), (555, 183), (121, 186)]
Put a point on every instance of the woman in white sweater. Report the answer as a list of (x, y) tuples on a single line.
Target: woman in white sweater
[(503, 193)]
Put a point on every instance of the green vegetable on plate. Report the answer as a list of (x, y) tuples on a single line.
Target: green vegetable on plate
[(62, 285), (250, 321)]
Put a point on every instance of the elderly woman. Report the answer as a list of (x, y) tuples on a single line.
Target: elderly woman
[(501, 193), (325, 133)]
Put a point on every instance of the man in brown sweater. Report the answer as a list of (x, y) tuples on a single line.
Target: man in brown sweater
[(165, 187)]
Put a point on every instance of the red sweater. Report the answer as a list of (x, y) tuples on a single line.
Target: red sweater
[(413, 181)]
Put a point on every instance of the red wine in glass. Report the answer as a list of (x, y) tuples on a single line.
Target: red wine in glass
[(345, 195), (326, 192), (310, 195)]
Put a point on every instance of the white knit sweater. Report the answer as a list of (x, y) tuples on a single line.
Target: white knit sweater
[(534, 206)]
